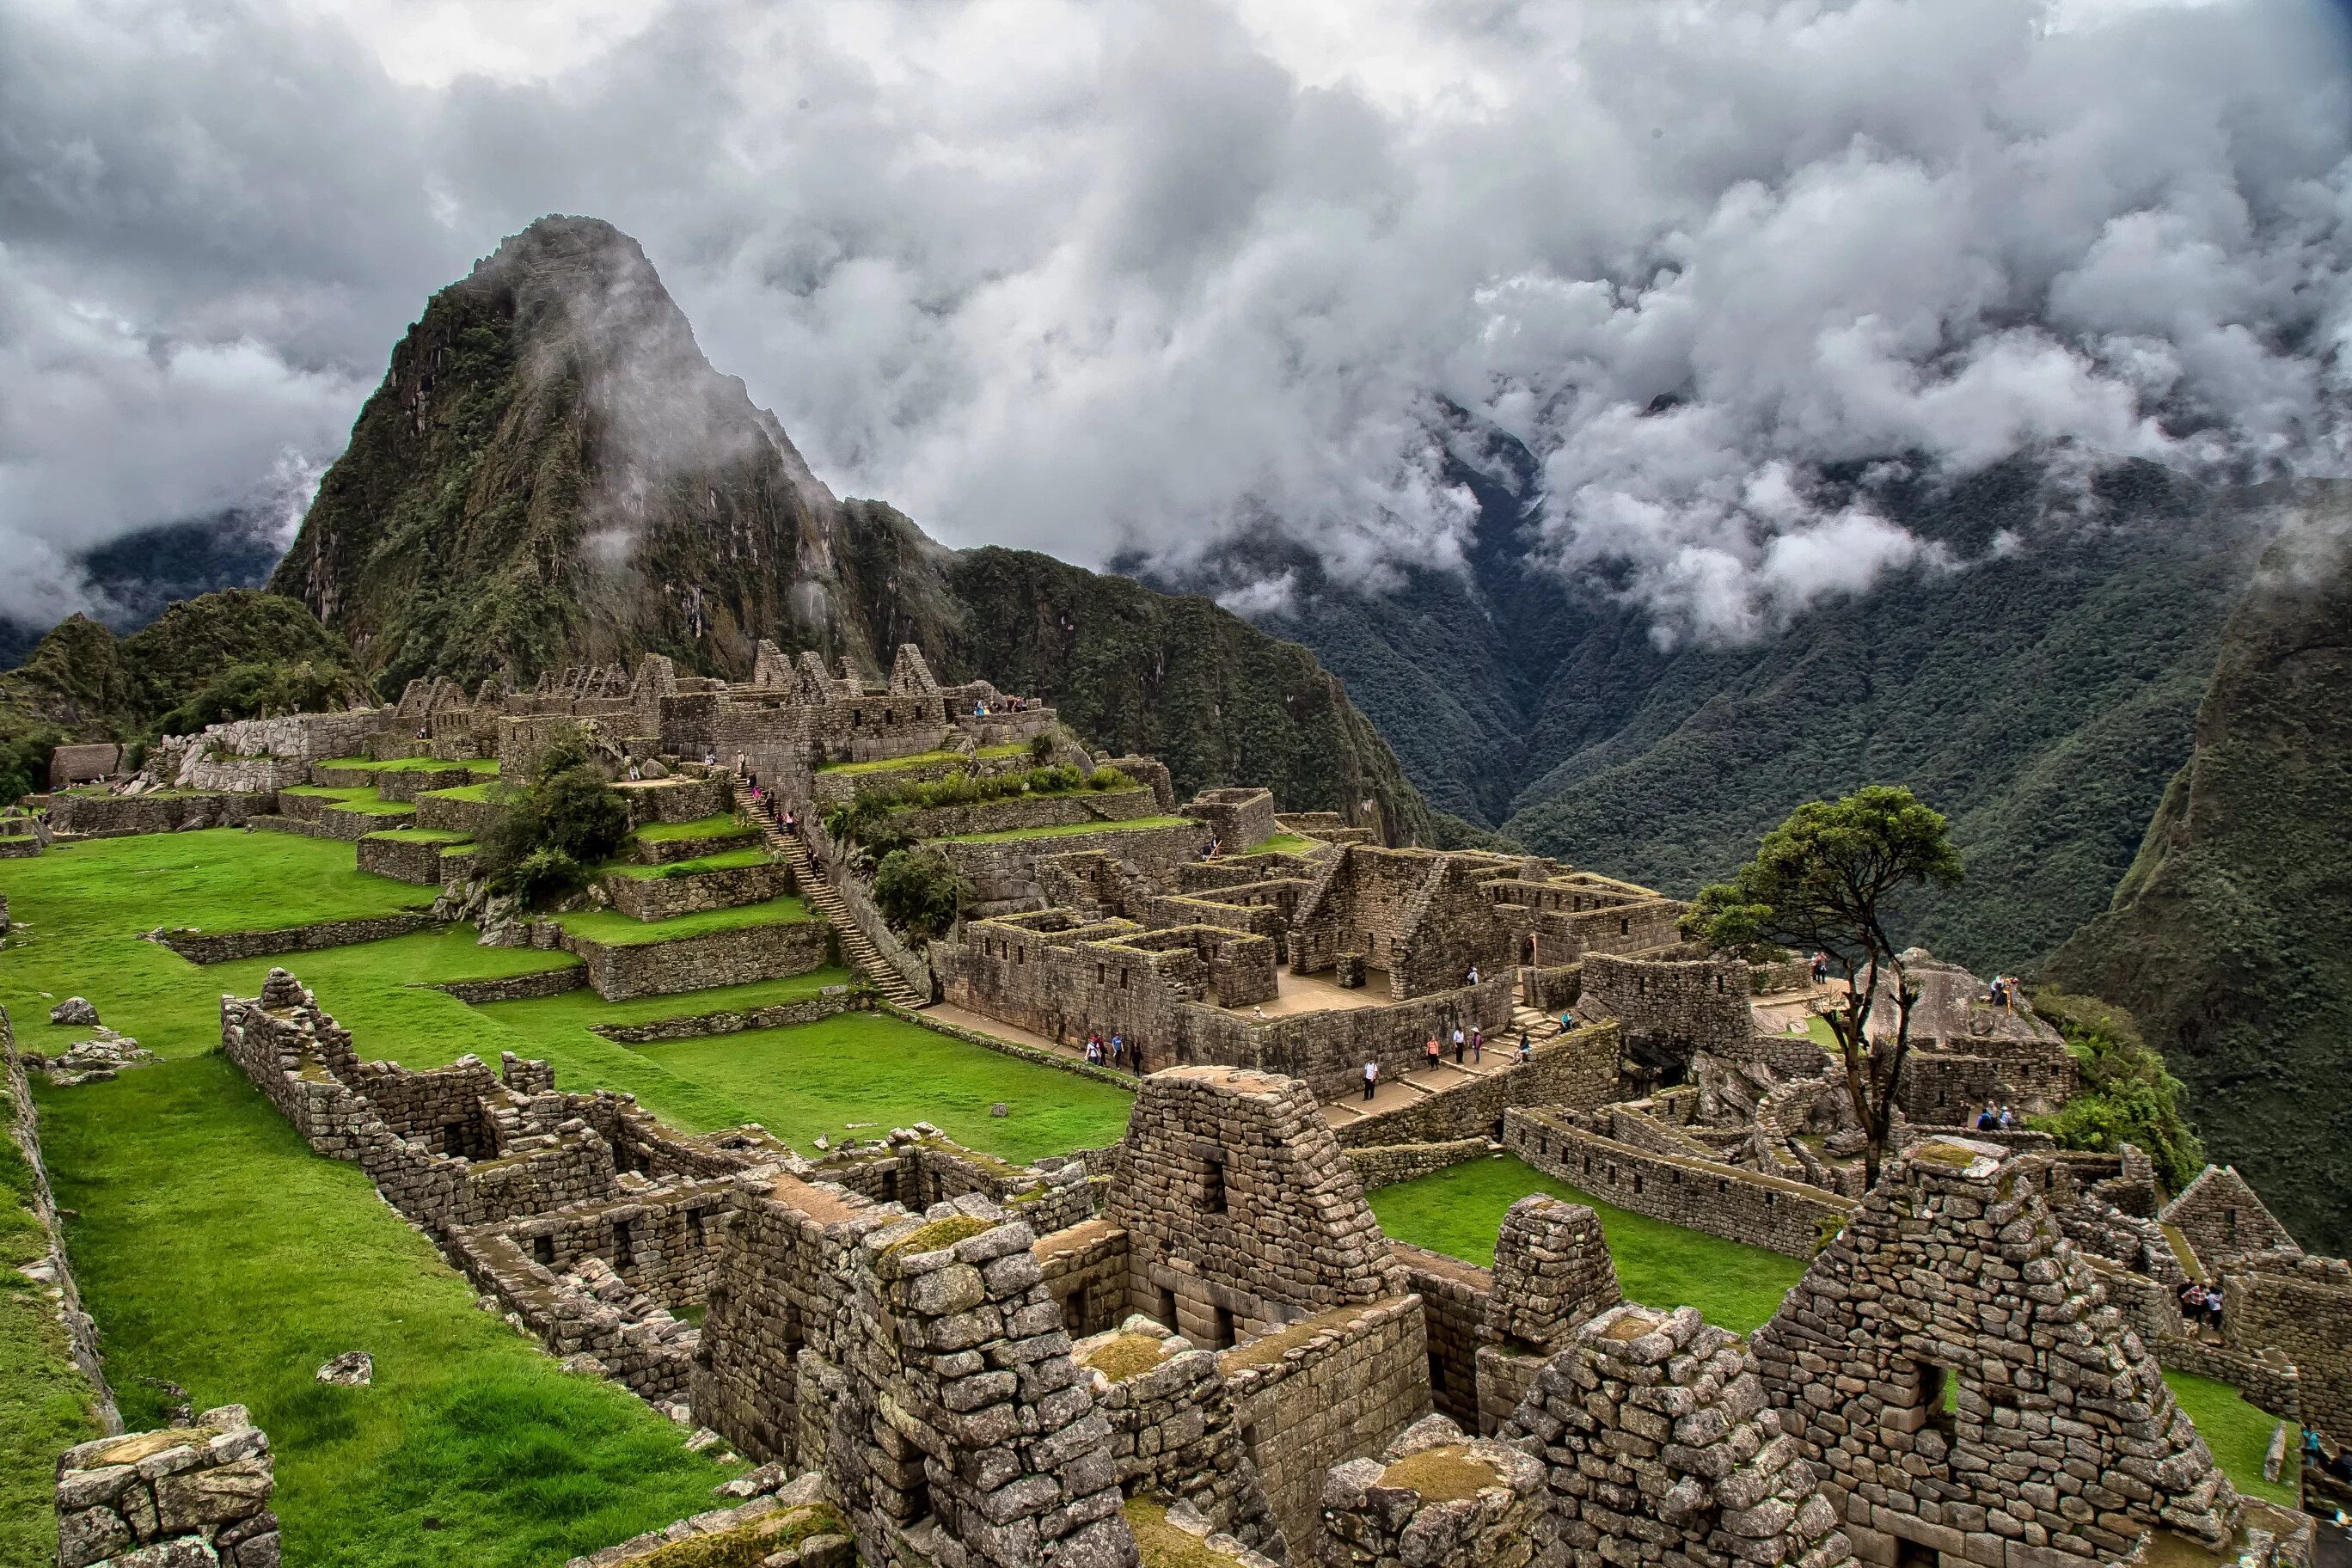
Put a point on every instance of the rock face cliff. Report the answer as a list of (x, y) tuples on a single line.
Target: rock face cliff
[(553, 473), (2231, 936)]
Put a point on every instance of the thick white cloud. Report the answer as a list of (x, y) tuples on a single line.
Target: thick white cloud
[(1132, 275)]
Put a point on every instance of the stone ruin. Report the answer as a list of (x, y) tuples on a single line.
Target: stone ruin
[(178, 1498)]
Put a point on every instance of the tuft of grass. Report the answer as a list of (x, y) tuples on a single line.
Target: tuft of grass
[(2237, 1436), (1161, 1545), (1287, 843), (616, 929), (220, 1254), (1457, 1211)]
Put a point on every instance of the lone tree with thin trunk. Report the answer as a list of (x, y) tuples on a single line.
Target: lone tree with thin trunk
[(1823, 881)]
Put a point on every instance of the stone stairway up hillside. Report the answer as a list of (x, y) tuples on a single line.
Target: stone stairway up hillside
[(826, 900)]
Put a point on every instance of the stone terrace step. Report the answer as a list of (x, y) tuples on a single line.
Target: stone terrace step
[(826, 900)]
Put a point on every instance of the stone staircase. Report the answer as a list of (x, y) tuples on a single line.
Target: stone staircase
[(826, 900), (1539, 1026)]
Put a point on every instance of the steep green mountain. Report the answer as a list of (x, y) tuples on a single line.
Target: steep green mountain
[(218, 656), (2230, 937), (551, 473), (2040, 695)]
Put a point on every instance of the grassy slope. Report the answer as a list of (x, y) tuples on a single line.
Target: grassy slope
[(1459, 1210), (220, 1255), (2237, 1433), (719, 826), (726, 860), (43, 1403)]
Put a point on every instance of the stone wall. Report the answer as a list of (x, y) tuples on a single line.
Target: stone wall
[(1003, 872), (1390, 1163), (734, 1021), (1784, 1217), (1670, 1010), (2301, 1308), (1239, 817), (186, 1495), (621, 972), (660, 898), (684, 798), (1359, 1377), (1173, 1434), (1577, 1071), (117, 816), (54, 1269), (1379, 1513), (1240, 1212), (1026, 811), (1454, 1297), (2223, 1221), (220, 947), (517, 987), (1084, 1267), (1930, 1343), (453, 814), (402, 859)]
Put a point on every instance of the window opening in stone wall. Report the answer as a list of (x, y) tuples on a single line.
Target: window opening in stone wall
[(1436, 1372), (1168, 1309), (542, 1250), (1213, 1181), (1074, 1314), (620, 1244), (1625, 926), (1939, 1399), (694, 1225), (1224, 1328)]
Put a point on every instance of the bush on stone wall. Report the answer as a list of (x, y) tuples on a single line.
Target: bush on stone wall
[(918, 892), (2126, 1095), (544, 838)]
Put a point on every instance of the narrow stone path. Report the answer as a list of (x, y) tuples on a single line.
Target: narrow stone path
[(821, 897)]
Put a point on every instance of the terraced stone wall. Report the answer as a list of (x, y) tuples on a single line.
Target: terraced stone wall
[(620, 972), (660, 898)]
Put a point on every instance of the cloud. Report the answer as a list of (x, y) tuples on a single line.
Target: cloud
[(1132, 278)]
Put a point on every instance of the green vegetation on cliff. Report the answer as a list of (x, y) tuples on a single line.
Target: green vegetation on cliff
[(229, 655), (2231, 938)]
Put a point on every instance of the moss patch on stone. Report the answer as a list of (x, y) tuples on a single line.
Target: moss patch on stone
[(1127, 1356), (746, 1545), (1161, 1545), (940, 1233), (1446, 1473)]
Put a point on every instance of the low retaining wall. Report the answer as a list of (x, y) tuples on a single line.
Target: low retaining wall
[(198, 947), (118, 815), (1786, 1218), (1013, 1048), (1360, 1379), (1391, 1163), (404, 859), (1578, 1070), (659, 898), (517, 987), (1005, 871), (702, 1025), (620, 972), (407, 783), (1027, 811), (81, 1333), (452, 815), (676, 799)]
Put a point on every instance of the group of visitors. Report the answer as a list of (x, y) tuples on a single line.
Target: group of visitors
[(2200, 1306), (1005, 705), (1212, 848), (1995, 1119), (2004, 991), (1114, 1052), (1820, 968)]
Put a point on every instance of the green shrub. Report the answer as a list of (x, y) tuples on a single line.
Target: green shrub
[(2126, 1094), (251, 691), (1041, 750), (542, 838), (918, 891), (1105, 778)]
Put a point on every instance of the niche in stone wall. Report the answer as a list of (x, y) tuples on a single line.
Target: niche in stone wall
[(1209, 1170)]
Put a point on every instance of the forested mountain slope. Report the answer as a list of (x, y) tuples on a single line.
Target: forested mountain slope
[(2231, 938)]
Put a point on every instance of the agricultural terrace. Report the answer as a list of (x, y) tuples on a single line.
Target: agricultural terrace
[(219, 1255)]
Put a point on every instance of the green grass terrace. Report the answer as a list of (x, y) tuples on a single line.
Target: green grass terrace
[(727, 860), (922, 758), (361, 799), (719, 825), (613, 929)]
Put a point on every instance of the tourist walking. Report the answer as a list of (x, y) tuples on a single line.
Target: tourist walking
[(1433, 1051), (2214, 1309), (1094, 1051), (1473, 975), (1477, 1045), (1820, 966), (2192, 1306), (1118, 1046), (1459, 1044), (1371, 1078), (2004, 1119)]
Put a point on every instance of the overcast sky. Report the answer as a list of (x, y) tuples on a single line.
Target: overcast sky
[(1092, 275)]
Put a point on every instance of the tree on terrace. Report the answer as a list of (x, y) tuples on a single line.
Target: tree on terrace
[(1823, 881)]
